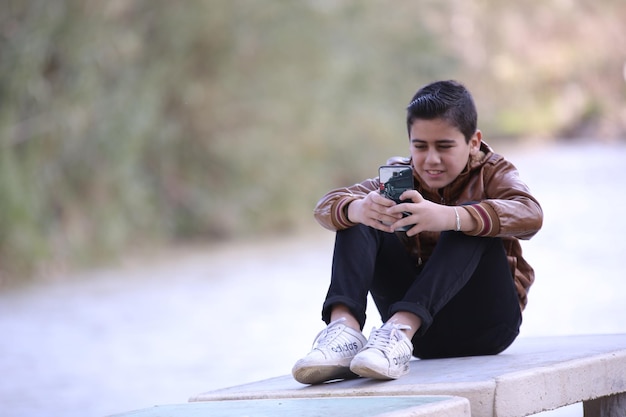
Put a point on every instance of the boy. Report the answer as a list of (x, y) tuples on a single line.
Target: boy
[(455, 283)]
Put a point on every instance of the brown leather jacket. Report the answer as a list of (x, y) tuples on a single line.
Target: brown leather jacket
[(489, 189)]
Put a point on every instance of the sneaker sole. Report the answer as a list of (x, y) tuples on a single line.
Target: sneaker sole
[(317, 374), (366, 370)]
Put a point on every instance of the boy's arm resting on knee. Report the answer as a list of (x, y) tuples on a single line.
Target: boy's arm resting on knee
[(331, 211), (510, 209), (484, 219), (334, 216), (505, 218), (466, 222)]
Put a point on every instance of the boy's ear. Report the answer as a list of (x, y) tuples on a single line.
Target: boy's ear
[(475, 142)]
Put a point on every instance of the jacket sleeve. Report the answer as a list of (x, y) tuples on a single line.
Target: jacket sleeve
[(332, 210), (509, 209)]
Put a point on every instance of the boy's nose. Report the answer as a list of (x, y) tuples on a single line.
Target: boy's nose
[(432, 156)]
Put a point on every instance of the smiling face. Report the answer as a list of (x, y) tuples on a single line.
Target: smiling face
[(439, 150)]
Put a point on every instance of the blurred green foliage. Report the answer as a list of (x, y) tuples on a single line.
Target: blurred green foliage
[(131, 121)]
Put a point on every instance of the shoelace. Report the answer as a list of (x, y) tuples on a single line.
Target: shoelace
[(327, 335), (386, 338)]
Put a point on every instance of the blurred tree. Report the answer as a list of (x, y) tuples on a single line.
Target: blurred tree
[(133, 121)]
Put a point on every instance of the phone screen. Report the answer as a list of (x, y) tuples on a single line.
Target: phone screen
[(394, 180)]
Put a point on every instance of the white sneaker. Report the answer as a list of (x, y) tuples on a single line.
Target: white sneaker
[(386, 355), (333, 350)]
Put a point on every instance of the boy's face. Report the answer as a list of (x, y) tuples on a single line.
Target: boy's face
[(439, 151)]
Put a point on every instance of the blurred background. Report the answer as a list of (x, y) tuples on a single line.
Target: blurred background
[(127, 121), (135, 132)]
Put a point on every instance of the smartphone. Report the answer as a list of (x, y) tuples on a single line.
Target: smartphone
[(394, 180)]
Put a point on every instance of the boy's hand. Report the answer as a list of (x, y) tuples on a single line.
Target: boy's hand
[(373, 211), (424, 214)]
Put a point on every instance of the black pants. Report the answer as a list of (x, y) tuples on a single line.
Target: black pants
[(464, 293)]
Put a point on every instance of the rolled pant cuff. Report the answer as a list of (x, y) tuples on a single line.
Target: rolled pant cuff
[(417, 309), (357, 311)]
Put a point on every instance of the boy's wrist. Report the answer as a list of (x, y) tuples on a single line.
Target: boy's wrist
[(346, 211), (457, 220)]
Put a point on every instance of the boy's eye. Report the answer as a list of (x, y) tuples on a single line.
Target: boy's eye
[(441, 146)]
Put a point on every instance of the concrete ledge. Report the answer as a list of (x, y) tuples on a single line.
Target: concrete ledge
[(560, 385), (533, 375), (395, 406), (479, 395)]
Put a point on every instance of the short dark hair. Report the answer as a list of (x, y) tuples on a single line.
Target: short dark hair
[(448, 100)]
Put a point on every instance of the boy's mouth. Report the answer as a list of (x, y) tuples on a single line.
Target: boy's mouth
[(433, 172)]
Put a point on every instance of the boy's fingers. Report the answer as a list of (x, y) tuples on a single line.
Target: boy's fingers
[(412, 195)]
